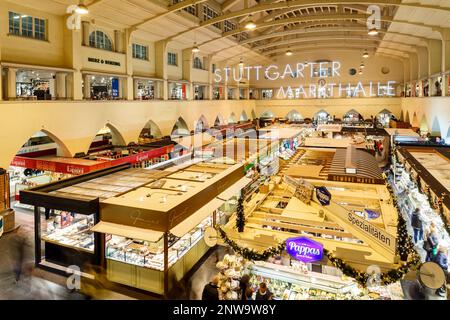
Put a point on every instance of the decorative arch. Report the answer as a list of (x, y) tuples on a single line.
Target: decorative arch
[(106, 137), (352, 115), (447, 138), (150, 131), (201, 124), (424, 124), (415, 122), (232, 118), (384, 117), (243, 116), (294, 115), (180, 128), (61, 148), (219, 121), (267, 114), (321, 113), (436, 128)]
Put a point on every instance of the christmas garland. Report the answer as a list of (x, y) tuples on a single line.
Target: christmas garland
[(405, 249), (240, 216)]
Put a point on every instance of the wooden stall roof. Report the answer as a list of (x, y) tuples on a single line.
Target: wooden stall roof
[(366, 165)]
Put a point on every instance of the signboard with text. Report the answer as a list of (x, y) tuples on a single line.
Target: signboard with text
[(304, 249), (323, 196)]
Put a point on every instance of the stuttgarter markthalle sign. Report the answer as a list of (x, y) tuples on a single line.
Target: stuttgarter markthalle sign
[(300, 70)]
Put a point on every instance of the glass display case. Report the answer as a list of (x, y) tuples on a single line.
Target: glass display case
[(69, 229), (151, 254)]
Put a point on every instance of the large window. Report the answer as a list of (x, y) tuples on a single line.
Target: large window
[(172, 59), (27, 26), (210, 13), (191, 9), (100, 40), (198, 63), (140, 51)]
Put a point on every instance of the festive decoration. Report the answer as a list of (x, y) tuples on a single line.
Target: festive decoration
[(240, 216)]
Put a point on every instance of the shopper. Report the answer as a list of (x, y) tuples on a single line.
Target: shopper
[(244, 284), (431, 243), (249, 294), (441, 259), (210, 291), (416, 223), (263, 293)]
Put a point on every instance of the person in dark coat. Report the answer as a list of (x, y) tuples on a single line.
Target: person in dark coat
[(416, 224), (210, 291), (263, 293), (441, 259), (249, 294), (244, 284)]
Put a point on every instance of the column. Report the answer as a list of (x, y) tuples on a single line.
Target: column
[(225, 91), (445, 62), (87, 86), (60, 83), (187, 66), (126, 46), (86, 30), (73, 40), (1, 81), (434, 56), (210, 77), (422, 55), (11, 83), (161, 66)]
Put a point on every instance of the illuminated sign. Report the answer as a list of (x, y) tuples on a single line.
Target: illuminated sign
[(304, 249), (300, 70), (323, 196)]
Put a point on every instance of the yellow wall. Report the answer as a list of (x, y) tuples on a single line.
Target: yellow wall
[(434, 112), (338, 107), (76, 123), (19, 49)]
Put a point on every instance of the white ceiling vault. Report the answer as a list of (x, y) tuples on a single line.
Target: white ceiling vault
[(295, 24)]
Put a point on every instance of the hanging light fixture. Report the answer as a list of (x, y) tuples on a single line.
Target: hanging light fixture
[(250, 25), (241, 63), (365, 54), (195, 48), (360, 72), (362, 66), (306, 63), (82, 8), (373, 32), (289, 52)]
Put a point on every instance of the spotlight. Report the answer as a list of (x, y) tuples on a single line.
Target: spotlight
[(365, 54), (81, 8), (362, 66), (373, 32), (289, 52), (250, 25), (241, 63), (195, 48)]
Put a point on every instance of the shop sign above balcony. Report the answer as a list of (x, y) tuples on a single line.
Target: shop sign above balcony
[(323, 196)]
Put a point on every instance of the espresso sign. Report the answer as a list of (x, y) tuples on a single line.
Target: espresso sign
[(304, 249), (323, 196)]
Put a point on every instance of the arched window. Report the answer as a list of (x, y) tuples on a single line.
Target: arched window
[(100, 40), (198, 64)]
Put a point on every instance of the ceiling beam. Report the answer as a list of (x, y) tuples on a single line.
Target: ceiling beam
[(329, 36), (228, 4), (303, 30), (262, 7), (170, 9)]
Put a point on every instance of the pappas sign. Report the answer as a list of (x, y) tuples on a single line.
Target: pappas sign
[(323, 196), (304, 249)]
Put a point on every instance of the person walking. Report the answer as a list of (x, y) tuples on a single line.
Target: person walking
[(441, 259), (431, 242), (263, 293), (244, 284), (210, 291), (417, 225), (249, 294)]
